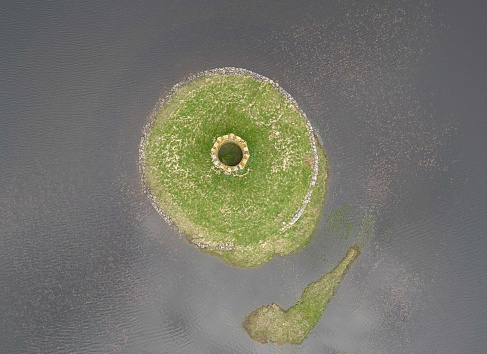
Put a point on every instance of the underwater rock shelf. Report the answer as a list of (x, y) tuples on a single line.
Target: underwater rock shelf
[(267, 198)]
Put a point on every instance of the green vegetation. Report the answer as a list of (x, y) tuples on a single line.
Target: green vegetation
[(339, 223), (230, 154), (273, 324), (248, 216)]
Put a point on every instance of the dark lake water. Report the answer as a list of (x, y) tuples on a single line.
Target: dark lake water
[(397, 90)]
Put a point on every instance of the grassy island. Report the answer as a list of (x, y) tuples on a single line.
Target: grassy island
[(273, 324), (247, 212)]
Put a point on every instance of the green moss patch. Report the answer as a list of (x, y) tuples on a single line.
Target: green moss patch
[(271, 206), (230, 154), (273, 324)]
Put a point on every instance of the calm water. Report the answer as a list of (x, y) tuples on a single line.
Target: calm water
[(398, 93)]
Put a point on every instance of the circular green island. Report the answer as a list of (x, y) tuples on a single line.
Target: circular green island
[(230, 159)]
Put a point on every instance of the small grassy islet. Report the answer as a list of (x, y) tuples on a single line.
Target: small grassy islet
[(267, 206), (239, 216), (273, 324)]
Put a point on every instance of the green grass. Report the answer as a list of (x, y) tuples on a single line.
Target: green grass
[(230, 154), (237, 216), (273, 324)]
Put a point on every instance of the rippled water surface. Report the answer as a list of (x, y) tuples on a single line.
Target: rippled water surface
[(397, 90)]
